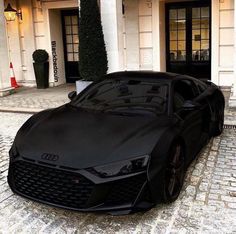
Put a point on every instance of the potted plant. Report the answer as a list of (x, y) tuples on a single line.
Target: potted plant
[(41, 68), (92, 50)]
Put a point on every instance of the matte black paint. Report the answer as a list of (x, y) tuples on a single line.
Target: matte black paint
[(73, 139)]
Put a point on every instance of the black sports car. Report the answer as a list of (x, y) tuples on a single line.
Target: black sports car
[(120, 146)]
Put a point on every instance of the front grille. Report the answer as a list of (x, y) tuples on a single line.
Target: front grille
[(125, 190), (51, 185)]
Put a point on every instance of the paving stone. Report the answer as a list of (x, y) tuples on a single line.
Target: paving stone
[(30, 99), (201, 197), (231, 205)]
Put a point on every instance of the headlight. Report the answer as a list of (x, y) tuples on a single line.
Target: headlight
[(122, 167)]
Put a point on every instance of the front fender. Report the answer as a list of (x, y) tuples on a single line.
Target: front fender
[(157, 166)]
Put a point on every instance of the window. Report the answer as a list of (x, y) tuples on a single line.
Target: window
[(184, 90), (177, 21), (178, 101), (200, 33), (188, 38), (72, 37), (133, 96), (187, 89)]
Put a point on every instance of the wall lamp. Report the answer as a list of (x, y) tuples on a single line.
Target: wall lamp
[(10, 13)]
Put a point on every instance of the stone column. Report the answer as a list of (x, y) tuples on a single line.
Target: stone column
[(232, 101), (5, 88), (112, 22), (132, 34), (28, 32)]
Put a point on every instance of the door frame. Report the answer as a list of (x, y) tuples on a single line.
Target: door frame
[(67, 12), (48, 26), (177, 5)]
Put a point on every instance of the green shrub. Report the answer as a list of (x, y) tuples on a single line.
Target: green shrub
[(40, 56), (92, 51)]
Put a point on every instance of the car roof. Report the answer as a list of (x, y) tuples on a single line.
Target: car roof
[(165, 76)]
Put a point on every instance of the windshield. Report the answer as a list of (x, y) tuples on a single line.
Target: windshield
[(125, 97)]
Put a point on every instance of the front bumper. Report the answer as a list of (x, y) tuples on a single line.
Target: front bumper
[(78, 189)]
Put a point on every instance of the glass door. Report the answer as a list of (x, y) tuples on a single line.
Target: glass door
[(201, 34), (188, 39), (70, 21), (177, 40)]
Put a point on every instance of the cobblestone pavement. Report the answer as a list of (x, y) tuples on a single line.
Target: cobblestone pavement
[(34, 100), (230, 116), (207, 203)]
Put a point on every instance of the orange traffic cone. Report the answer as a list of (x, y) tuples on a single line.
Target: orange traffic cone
[(13, 79)]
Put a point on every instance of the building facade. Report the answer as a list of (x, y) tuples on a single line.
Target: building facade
[(189, 37)]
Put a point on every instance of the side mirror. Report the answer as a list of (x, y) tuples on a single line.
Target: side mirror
[(190, 105), (72, 94)]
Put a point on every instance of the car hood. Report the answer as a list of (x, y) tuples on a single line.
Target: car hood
[(82, 139)]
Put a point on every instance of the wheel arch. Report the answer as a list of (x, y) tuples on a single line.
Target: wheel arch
[(217, 106), (214, 99), (156, 170)]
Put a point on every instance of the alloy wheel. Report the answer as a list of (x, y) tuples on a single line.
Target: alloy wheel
[(174, 173)]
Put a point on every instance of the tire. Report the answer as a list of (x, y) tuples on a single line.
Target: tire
[(218, 125), (174, 173)]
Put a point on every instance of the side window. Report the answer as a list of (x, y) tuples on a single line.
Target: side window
[(187, 89), (184, 90), (178, 101)]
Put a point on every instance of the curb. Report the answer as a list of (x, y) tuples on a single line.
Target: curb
[(20, 110)]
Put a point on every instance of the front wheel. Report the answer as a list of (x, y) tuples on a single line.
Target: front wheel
[(174, 173), (218, 125)]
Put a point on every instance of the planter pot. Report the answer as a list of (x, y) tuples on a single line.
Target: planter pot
[(41, 71), (81, 85)]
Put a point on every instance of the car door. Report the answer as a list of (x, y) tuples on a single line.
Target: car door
[(191, 118)]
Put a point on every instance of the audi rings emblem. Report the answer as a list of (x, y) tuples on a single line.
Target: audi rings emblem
[(50, 157)]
